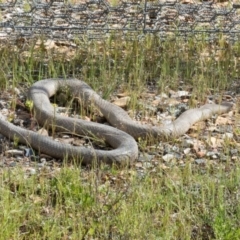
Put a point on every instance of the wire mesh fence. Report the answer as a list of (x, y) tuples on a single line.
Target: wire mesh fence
[(96, 19)]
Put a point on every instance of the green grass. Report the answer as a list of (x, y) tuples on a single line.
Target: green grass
[(179, 202), (110, 204)]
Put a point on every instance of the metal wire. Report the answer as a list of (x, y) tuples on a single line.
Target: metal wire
[(96, 19)]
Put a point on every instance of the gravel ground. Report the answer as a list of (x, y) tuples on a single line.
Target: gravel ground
[(212, 142), (205, 142)]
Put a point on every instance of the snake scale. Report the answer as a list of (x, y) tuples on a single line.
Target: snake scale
[(120, 135)]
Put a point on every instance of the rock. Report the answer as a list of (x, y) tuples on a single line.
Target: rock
[(65, 136), (224, 128), (16, 91), (179, 94), (200, 161), (177, 155), (43, 160), (188, 143), (223, 158), (145, 158), (227, 135), (187, 151), (168, 157), (28, 152), (182, 93), (161, 96), (147, 165), (40, 165), (201, 153), (234, 151), (32, 171), (12, 164), (212, 155), (19, 159), (175, 149)]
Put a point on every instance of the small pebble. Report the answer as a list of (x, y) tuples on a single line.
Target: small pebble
[(40, 165), (175, 149), (160, 96), (200, 161), (147, 165), (19, 159), (187, 151), (65, 136), (182, 93), (224, 128), (168, 157), (17, 91), (234, 151), (212, 155), (227, 136), (223, 158), (43, 160), (28, 152), (12, 164), (177, 155), (32, 171), (145, 158), (187, 142)]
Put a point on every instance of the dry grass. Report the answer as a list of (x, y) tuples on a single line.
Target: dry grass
[(186, 201)]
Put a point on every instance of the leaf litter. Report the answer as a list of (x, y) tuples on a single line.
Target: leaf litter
[(205, 142)]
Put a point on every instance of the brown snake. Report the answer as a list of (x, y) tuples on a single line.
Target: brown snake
[(125, 149)]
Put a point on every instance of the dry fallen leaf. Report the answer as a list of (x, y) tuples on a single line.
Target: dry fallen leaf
[(43, 132), (122, 102), (123, 94), (201, 153), (223, 120), (198, 126), (199, 148), (138, 165), (215, 142), (172, 102), (156, 102), (35, 198)]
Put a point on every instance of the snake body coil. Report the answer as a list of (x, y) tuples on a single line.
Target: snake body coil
[(124, 146)]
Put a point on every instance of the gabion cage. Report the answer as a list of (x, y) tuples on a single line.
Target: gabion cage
[(94, 19)]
